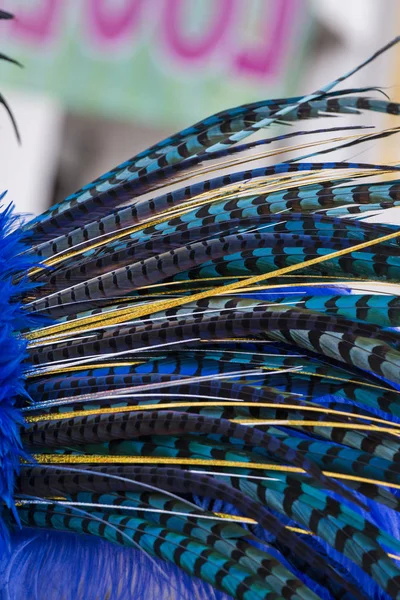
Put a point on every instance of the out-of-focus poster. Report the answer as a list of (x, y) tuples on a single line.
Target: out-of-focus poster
[(176, 59)]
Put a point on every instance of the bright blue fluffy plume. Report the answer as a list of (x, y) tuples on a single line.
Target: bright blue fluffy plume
[(73, 566), (12, 351)]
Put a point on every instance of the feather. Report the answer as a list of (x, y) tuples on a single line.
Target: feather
[(205, 369)]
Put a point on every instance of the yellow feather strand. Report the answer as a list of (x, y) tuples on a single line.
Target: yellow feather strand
[(238, 404), (50, 459)]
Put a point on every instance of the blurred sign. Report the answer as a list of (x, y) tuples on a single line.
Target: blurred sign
[(166, 61)]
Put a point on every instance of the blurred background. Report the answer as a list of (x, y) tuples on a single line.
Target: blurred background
[(104, 79)]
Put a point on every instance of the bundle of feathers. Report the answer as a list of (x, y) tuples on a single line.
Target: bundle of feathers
[(200, 371)]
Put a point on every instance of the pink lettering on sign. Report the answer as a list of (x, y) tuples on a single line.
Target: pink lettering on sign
[(264, 58), (38, 23), (222, 40), (187, 47), (110, 23)]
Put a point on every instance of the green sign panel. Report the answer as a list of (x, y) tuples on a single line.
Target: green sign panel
[(176, 59)]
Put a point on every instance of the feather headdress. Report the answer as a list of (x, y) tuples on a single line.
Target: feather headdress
[(200, 363)]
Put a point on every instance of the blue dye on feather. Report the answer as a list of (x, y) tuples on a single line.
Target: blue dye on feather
[(72, 566), (12, 354)]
